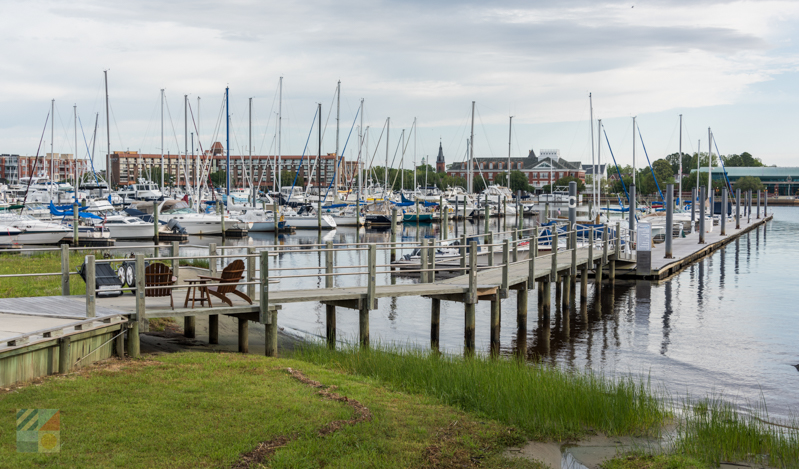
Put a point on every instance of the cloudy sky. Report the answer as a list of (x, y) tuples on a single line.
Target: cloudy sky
[(732, 66)]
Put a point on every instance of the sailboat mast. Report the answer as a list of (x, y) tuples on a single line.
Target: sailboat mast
[(252, 186), (470, 174), (680, 174), (185, 144), (510, 134), (709, 163), (318, 157), (227, 130), (414, 156), (52, 139), (597, 172), (360, 155), (75, 189), (593, 158), (338, 116), (385, 182), (633, 150), (279, 135), (162, 140), (698, 161), (107, 136)]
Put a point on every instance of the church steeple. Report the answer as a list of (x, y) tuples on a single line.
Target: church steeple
[(441, 166)]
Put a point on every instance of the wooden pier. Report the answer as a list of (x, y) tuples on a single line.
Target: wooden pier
[(31, 348)]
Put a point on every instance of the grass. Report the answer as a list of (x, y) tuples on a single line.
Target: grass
[(206, 410), (714, 431), (47, 262), (202, 263), (543, 401), (653, 461)]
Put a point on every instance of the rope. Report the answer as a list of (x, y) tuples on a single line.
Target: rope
[(650, 164)]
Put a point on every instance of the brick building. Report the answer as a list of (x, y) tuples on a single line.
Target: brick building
[(13, 167), (128, 166), (540, 170)]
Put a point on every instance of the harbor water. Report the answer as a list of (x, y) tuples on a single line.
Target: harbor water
[(725, 326)]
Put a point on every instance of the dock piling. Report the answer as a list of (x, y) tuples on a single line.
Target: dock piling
[(669, 220), (251, 271), (516, 245), (472, 295), (435, 322), (503, 293), (393, 234), (495, 320), (702, 217), (330, 326), (91, 300), (64, 270), (723, 221), (632, 210), (212, 260), (489, 239), (521, 320), (553, 276), (329, 264), (424, 258), (758, 205), (531, 259), (141, 311), (134, 346), (584, 283), (155, 225), (737, 209), (75, 219), (431, 264), (749, 206), (693, 210), (244, 335), (175, 252), (64, 362)]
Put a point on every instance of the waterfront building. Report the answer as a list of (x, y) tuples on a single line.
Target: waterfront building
[(778, 180), (61, 166), (540, 170), (128, 166)]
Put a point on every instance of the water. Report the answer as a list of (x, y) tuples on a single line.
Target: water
[(726, 325)]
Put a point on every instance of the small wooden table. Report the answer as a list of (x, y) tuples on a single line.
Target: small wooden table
[(194, 284)]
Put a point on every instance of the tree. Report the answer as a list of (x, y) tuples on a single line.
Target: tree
[(663, 171), (287, 179), (564, 181), (743, 160), (749, 183), (518, 181), (478, 184), (674, 160), (155, 175), (218, 178)]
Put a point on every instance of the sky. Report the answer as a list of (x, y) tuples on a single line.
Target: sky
[(731, 66)]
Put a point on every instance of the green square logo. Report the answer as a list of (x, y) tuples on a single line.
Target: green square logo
[(38, 430)]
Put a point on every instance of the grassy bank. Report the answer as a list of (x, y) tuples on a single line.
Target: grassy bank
[(207, 410), (549, 403), (46, 262), (545, 402)]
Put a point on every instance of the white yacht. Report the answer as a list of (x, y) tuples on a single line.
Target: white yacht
[(127, 227), (307, 218), (142, 190), (33, 230), (194, 223)]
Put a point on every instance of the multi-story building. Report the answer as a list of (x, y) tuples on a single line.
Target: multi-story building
[(128, 166), (540, 170), (61, 166)]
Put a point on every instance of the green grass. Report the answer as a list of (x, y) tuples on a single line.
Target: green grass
[(47, 262), (653, 461), (205, 410), (202, 263), (714, 431), (543, 401)]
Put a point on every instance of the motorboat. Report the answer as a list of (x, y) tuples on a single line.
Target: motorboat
[(9, 235), (195, 223), (33, 230), (259, 219), (307, 218), (128, 227), (142, 190)]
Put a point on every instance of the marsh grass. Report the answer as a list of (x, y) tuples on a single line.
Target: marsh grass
[(543, 401), (715, 430)]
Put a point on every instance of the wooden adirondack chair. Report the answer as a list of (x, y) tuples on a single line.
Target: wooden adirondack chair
[(158, 274), (231, 275)]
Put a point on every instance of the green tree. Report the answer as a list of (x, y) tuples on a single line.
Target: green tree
[(749, 183), (743, 160), (287, 179), (663, 171), (478, 184), (218, 178), (155, 176), (518, 181)]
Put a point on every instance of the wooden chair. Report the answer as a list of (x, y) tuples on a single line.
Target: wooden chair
[(231, 275), (158, 274)]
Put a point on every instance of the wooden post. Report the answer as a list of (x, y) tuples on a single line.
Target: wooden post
[(486, 214), (584, 283), (155, 224), (495, 314), (222, 219), (251, 271), (604, 246), (330, 326), (175, 262), (553, 276), (271, 334), (431, 264), (503, 292), (567, 283), (134, 345), (244, 336), (547, 298), (119, 342), (516, 245), (435, 321), (65, 270), (423, 258), (64, 362), (468, 330), (463, 251), (490, 241), (212, 261), (75, 224), (521, 321), (141, 311), (263, 293), (531, 260), (445, 223), (393, 234), (329, 264), (91, 285), (573, 271), (472, 296), (363, 312)]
